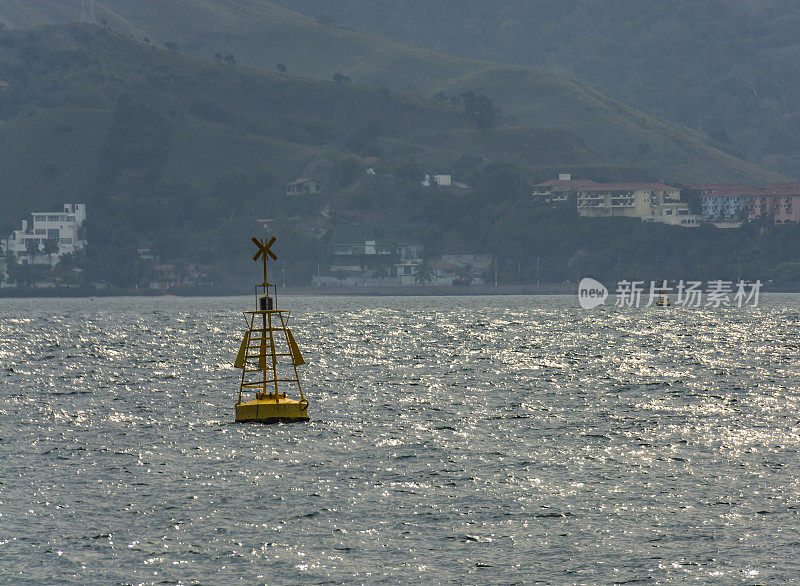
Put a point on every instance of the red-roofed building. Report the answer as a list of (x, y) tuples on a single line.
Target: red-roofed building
[(560, 192), (652, 202), (706, 188), (723, 203), (779, 201)]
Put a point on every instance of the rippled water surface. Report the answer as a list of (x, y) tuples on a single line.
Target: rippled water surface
[(501, 439)]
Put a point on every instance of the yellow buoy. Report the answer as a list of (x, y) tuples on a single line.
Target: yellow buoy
[(269, 357)]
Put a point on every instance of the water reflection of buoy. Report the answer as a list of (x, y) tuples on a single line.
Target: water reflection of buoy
[(269, 357)]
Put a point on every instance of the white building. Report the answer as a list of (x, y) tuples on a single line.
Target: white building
[(440, 180), (63, 228)]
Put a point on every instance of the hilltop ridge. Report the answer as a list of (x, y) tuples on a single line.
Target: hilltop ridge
[(261, 35)]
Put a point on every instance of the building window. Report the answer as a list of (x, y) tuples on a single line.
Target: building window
[(53, 234)]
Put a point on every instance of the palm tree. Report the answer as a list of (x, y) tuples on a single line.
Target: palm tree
[(32, 248), (380, 273), (50, 247), (424, 273)]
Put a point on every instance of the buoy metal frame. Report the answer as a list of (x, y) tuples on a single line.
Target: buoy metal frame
[(265, 370)]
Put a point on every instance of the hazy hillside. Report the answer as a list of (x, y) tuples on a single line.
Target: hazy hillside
[(202, 121), (177, 153), (728, 68), (260, 34)]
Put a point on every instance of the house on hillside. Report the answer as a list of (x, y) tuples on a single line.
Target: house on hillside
[(676, 213), (4, 85), (50, 236), (779, 202), (437, 180), (631, 200), (651, 202), (303, 186), (724, 205), (561, 192)]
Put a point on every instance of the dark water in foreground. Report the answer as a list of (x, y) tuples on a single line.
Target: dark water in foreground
[(502, 440)]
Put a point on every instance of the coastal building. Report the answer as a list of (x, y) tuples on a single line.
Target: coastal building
[(48, 237), (359, 257), (723, 204), (461, 269), (676, 214), (561, 192), (651, 202), (779, 202)]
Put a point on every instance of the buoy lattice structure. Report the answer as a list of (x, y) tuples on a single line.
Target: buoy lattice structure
[(268, 357)]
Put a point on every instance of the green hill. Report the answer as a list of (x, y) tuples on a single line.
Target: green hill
[(726, 67), (162, 143), (261, 35), (182, 154)]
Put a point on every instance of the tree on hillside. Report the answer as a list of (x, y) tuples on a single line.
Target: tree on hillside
[(480, 109), (281, 67), (230, 59), (341, 79)]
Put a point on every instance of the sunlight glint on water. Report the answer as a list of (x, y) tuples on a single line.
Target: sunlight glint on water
[(452, 439)]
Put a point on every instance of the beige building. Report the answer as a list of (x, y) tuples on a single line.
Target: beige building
[(651, 202), (631, 200), (677, 214)]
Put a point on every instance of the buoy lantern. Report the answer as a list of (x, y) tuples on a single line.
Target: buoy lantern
[(268, 357)]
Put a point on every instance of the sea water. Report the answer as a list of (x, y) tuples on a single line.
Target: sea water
[(453, 439)]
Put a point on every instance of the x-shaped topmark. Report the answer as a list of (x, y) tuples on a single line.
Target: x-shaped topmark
[(263, 249)]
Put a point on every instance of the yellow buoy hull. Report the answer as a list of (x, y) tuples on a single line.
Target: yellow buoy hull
[(271, 411)]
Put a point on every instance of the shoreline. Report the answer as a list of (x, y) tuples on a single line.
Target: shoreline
[(310, 291), (307, 291)]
